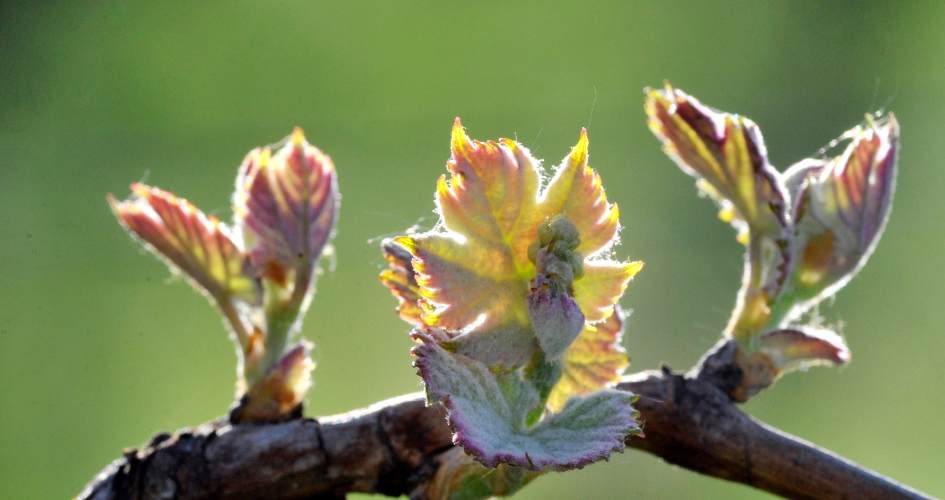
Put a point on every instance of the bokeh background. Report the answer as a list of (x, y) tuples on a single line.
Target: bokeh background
[(100, 346)]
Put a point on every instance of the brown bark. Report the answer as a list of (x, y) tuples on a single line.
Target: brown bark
[(390, 448)]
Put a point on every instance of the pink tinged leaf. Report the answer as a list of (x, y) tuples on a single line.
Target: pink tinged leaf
[(727, 155), (282, 388), (576, 192), (491, 195), (287, 205), (555, 316), (466, 285), (602, 286), (841, 209), (487, 414), (799, 347), (486, 317), (726, 152), (595, 360), (402, 281), (198, 245)]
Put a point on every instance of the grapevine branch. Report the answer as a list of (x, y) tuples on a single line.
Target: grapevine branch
[(287, 204), (393, 447)]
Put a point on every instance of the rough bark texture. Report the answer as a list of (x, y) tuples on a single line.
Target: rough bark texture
[(390, 448)]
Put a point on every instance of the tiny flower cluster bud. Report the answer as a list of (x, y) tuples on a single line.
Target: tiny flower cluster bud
[(555, 253), (556, 317)]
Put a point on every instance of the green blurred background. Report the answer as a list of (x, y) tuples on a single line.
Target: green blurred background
[(99, 347)]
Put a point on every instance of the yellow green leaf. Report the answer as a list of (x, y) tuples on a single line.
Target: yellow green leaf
[(576, 191), (727, 153), (602, 285), (491, 196), (465, 282)]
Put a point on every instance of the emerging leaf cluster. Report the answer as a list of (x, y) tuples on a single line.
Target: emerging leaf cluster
[(517, 329), (808, 230), (262, 277)]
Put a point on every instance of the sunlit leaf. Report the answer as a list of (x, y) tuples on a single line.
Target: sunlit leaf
[(198, 245), (475, 270), (727, 153), (576, 191), (603, 283), (463, 280), (402, 281), (595, 360)]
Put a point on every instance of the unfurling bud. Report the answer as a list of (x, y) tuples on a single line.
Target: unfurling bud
[(286, 205), (840, 210), (556, 317), (807, 231), (554, 254)]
